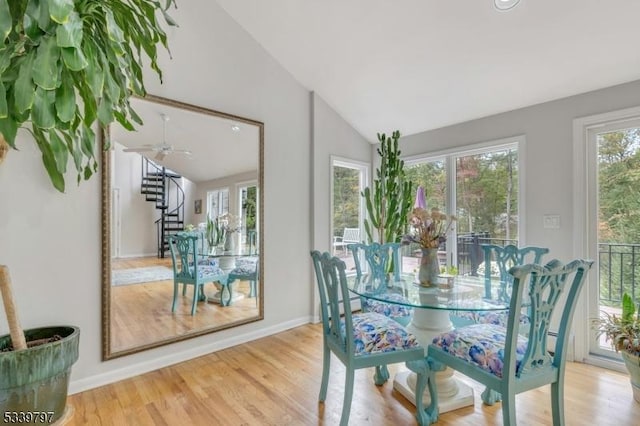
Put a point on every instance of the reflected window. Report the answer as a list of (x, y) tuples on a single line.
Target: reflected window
[(248, 208), (217, 202)]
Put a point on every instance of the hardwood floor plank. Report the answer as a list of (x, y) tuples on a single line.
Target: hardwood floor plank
[(276, 380), (141, 313)]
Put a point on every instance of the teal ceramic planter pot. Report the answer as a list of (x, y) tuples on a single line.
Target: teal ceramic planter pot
[(633, 366), (37, 379)]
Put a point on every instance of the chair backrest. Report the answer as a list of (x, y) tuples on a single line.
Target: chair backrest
[(381, 258), (334, 299), (351, 235), (504, 258), (184, 247), (544, 284)]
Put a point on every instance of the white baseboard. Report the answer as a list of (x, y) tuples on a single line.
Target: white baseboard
[(156, 363)]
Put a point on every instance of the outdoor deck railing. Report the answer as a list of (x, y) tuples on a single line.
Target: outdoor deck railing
[(470, 254), (619, 269)]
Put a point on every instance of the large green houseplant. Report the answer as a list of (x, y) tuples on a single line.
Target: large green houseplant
[(389, 203), (67, 64), (623, 331), (67, 67)]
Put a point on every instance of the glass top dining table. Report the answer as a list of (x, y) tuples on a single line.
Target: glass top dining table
[(432, 306), (454, 293)]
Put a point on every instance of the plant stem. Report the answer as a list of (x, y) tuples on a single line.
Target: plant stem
[(17, 335)]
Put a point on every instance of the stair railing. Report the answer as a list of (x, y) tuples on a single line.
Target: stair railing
[(169, 199)]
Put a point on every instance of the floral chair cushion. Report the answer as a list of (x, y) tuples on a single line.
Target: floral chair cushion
[(482, 345), (374, 333), (245, 266), (207, 270), (390, 310)]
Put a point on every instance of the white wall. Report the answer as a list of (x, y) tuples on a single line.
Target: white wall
[(331, 136), (137, 216), (51, 241)]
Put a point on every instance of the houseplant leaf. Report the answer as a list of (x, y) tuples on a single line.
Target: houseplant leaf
[(43, 112), (59, 10), (70, 33), (5, 20), (4, 110), (9, 129), (45, 64), (67, 53), (24, 88), (65, 99)]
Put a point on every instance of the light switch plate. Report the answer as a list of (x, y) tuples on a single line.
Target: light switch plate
[(551, 221)]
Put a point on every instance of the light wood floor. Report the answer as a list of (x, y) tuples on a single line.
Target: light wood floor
[(141, 313), (275, 381)]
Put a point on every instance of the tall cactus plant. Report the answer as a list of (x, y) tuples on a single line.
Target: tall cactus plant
[(389, 204)]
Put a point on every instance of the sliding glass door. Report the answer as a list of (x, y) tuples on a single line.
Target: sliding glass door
[(481, 184)]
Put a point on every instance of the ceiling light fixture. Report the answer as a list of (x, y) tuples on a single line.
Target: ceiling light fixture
[(235, 128), (503, 5)]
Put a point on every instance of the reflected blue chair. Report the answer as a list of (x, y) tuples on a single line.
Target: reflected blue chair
[(190, 268), (361, 340), (507, 362), (247, 269), (384, 263)]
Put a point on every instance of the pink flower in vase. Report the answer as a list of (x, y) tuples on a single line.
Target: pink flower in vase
[(421, 199)]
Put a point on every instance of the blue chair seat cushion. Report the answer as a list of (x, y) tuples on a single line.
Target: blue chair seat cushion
[(207, 271), (388, 309), (245, 267), (482, 345), (374, 333)]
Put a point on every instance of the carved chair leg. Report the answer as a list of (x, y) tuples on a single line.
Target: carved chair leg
[(381, 375)]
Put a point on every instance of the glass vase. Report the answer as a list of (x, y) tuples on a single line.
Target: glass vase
[(429, 267)]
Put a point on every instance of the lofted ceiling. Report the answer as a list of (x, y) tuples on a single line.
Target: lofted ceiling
[(218, 146), (416, 65)]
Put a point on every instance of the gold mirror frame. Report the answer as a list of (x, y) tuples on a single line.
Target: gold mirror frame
[(106, 174)]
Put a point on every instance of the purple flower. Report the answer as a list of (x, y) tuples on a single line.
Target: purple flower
[(421, 201)]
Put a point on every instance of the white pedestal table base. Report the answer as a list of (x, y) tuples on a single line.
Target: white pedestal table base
[(452, 393)]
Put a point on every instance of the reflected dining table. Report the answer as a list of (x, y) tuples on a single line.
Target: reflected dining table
[(432, 307)]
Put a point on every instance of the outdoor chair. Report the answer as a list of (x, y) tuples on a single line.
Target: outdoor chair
[(384, 263), (349, 236), (190, 268), (507, 362), (361, 340)]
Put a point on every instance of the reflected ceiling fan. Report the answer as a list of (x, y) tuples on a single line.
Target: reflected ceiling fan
[(161, 149)]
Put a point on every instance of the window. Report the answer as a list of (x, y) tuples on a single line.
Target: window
[(248, 208), (481, 184), (348, 179), (217, 202)]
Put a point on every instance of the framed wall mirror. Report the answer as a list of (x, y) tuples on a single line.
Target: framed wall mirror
[(186, 169)]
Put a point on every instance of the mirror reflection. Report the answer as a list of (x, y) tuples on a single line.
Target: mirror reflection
[(181, 226)]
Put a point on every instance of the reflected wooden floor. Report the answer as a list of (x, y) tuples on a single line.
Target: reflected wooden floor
[(141, 313), (275, 381)]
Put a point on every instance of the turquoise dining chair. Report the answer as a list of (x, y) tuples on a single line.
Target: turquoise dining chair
[(507, 362), (247, 269), (190, 268), (362, 340), (504, 258), (497, 281), (384, 263)]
